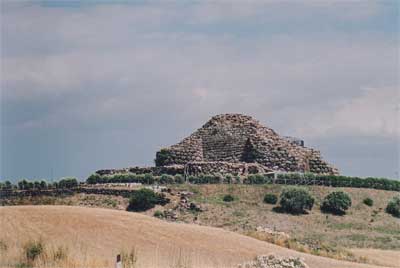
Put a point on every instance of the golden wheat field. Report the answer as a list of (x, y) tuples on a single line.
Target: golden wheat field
[(92, 237)]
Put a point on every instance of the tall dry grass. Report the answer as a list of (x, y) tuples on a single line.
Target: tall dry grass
[(54, 255), (322, 250), (39, 254)]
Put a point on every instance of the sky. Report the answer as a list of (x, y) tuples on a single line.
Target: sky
[(88, 85)]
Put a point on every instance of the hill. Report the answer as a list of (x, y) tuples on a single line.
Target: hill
[(361, 227), (92, 237)]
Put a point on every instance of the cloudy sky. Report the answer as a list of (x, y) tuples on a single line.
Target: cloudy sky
[(98, 85)]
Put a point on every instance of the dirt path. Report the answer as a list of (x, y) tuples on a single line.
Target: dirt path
[(101, 233)]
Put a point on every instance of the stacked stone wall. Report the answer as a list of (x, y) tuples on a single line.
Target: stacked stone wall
[(156, 171), (234, 137), (218, 167)]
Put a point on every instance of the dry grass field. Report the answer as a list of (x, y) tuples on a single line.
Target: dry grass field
[(91, 237), (361, 227)]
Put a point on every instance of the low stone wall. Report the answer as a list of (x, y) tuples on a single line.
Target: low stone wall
[(156, 171), (241, 169), (32, 193), (4, 194), (120, 192), (193, 168)]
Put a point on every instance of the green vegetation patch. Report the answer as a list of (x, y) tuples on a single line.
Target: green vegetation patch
[(296, 200), (336, 203), (368, 201), (145, 199), (393, 207), (270, 199)]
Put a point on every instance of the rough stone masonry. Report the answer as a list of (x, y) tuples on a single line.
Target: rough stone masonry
[(234, 144), (242, 141)]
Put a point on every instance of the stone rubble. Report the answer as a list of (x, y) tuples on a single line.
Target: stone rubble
[(272, 261), (271, 232)]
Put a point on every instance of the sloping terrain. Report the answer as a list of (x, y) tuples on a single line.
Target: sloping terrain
[(361, 227), (99, 234)]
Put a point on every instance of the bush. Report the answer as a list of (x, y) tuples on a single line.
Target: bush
[(228, 179), (296, 200), (7, 185), (254, 179), (148, 179), (340, 181), (32, 250), (70, 182), (336, 203), (393, 207), (179, 179), (368, 201), (228, 198), (23, 185), (162, 157), (158, 214), (166, 179), (270, 199), (145, 199), (206, 179), (93, 179)]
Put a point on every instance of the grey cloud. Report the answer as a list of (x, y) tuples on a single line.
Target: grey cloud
[(108, 85)]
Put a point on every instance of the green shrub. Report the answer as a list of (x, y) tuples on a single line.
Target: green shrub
[(162, 157), (228, 198), (145, 199), (23, 185), (158, 214), (393, 207), (270, 199), (254, 179), (7, 185), (368, 201), (33, 249), (290, 178), (69, 182), (296, 200), (179, 179), (148, 178), (236, 179), (166, 179), (340, 181), (336, 203), (228, 179), (206, 179)]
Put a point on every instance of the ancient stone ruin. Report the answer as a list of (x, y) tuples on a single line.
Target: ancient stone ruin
[(234, 144), (240, 140)]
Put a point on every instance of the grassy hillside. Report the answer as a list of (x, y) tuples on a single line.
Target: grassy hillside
[(361, 227), (340, 237), (91, 237)]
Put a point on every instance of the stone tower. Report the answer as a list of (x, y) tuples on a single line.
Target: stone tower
[(236, 138)]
